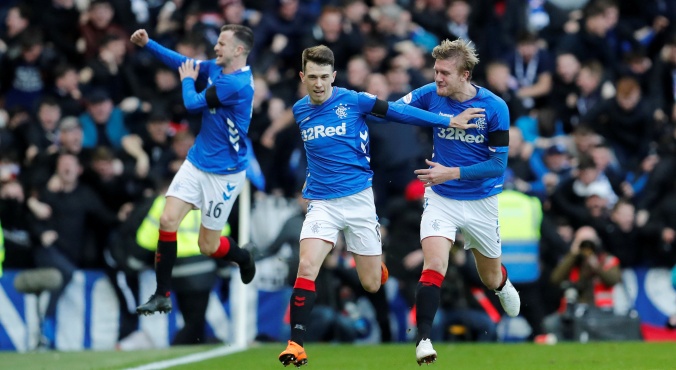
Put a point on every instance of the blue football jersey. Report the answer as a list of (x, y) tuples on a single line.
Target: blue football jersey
[(461, 148), (219, 147), (336, 141)]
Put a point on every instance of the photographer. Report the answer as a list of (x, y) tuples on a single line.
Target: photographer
[(589, 274)]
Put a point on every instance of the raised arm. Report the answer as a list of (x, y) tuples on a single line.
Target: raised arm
[(167, 56)]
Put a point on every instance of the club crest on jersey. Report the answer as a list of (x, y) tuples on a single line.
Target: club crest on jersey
[(341, 111), (480, 123)]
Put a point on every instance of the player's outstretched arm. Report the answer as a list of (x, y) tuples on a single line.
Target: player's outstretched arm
[(404, 113), (169, 57), (407, 114)]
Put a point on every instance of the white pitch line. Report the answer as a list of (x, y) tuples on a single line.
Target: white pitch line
[(195, 357)]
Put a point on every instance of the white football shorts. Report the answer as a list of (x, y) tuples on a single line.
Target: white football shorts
[(355, 215), (477, 219), (212, 193)]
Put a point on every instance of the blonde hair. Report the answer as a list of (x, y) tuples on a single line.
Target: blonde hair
[(458, 49)]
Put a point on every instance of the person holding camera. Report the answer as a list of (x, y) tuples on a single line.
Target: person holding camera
[(587, 274)]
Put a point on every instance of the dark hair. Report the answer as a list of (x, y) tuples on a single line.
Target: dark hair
[(526, 37), (49, 100), (99, 2), (61, 69), (158, 116), (242, 33), (319, 55), (31, 37), (108, 38), (593, 10), (586, 162)]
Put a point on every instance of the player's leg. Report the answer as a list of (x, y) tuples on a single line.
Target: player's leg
[(312, 254), (219, 194), (214, 245), (438, 226), (494, 276), (174, 211), (371, 271), (362, 237), (482, 235), (436, 251), (317, 237)]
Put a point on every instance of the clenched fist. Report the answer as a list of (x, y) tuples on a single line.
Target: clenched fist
[(140, 37)]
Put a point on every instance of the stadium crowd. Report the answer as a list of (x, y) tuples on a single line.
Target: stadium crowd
[(91, 127)]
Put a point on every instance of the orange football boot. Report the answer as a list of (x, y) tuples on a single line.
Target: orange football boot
[(293, 354)]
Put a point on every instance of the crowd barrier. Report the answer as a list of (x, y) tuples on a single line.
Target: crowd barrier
[(88, 312)]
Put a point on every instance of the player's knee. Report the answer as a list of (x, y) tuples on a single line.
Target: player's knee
[(169, 222), (371, 285), (307, 269)]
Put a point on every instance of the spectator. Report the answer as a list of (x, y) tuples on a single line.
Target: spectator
[(17, 23), (26, 77), (43, 137), (111, 70), (62, 19), (330, 31), (621, 236), (234, 12), (541, 17), (501, 83), (570, 196), (67, 91), (532, 68), (626, 122), (589, 43), (278, 37), (357, 70), (564, 90), (70, 139), (98, 23), (66, 208), (590, 271), (592, 89), (103, 123)]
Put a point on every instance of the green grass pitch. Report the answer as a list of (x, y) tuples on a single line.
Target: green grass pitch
[(597, 356)]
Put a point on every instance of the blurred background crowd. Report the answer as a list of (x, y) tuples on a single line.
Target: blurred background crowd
[(92, 127)]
